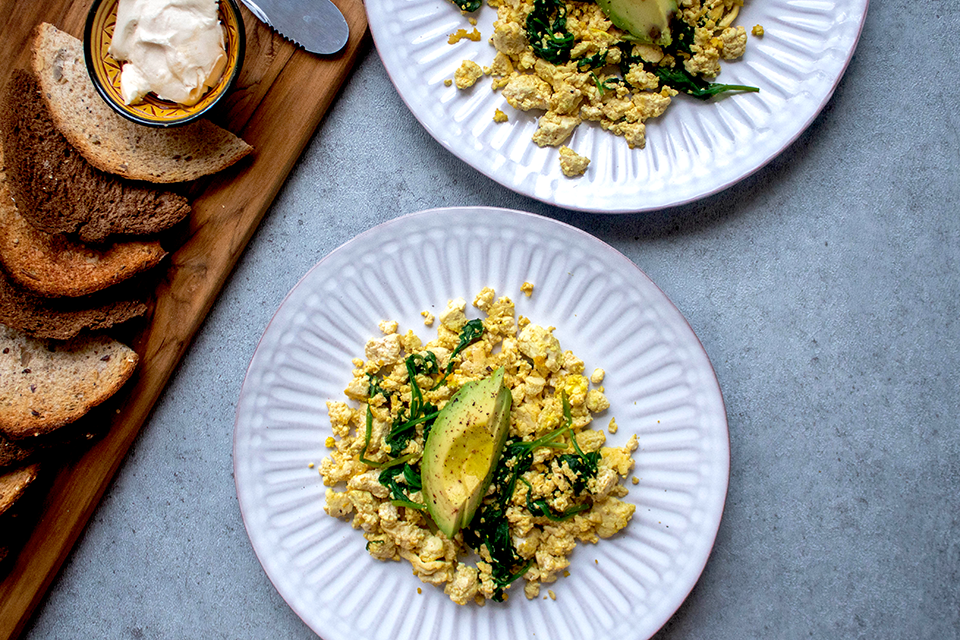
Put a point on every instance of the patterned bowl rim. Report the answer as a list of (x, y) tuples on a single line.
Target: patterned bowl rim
[(228, 7)]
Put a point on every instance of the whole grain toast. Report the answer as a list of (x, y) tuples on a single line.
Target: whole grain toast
[(13, 452), (109, 141), (64, 318), (14, 483), (55, 265), (51, 448), (45, 385), (58, 191)]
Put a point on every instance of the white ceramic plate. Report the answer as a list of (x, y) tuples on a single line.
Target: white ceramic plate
[(659, 381), (696, 148)]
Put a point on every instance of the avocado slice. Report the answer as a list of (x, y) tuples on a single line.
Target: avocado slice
[(648, 21), (462, 451)]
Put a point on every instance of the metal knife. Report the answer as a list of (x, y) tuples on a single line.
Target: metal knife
[(316, 25)]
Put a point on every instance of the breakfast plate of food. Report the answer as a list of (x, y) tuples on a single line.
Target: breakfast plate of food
[(586, 509), (576, 106)]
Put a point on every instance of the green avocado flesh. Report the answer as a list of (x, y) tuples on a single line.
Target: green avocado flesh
[(462, 450), (648, 21)]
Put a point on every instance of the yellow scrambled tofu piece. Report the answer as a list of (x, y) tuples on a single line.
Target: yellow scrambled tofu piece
[(463, 34), (571, 163), (467, 74)]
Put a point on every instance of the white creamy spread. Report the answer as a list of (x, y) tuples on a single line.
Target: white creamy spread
[(173, 48)]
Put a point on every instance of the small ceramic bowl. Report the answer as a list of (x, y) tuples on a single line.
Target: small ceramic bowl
[(105, 70)]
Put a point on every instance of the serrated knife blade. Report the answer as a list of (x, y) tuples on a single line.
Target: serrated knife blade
[(316, 25)]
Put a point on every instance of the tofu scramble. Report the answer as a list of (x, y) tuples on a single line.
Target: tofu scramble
[(549, 491), (566, 59)]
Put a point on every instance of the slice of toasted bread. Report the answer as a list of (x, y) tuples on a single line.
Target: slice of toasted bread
[(13, 452), (112, 143), (65, 441), (55, 265), (58, 191), (63, 318), (14, 483), (46, 385)]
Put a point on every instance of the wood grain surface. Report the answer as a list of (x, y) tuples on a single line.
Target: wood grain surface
[(280, 97)]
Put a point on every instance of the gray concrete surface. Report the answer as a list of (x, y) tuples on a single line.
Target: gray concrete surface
[(824, 288)]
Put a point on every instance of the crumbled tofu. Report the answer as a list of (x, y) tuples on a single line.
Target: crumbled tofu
[(484, 300), (388, 327), (554, 129), (571, 163), (597, 401), (509, 38), (649, 52), (542, 347), (454, 316), (734, 41), (501, 66), (642, 79), (526, 92), (650, 105), (383, 351), (463, 34), (467, 74)]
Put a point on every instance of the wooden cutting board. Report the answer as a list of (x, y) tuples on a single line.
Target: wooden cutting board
[(280, 97)]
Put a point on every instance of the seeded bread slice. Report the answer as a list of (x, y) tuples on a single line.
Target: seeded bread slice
[(109, 141), (58, 191), (46, 385), (64, 441), (63, 318), (55, 265), (13, 452), (14, 483)]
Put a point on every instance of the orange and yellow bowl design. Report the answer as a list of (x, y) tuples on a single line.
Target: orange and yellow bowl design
[(105, 70)]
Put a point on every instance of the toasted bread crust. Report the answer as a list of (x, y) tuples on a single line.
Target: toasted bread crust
[(55, 265), (112, 143), (46, 385), (14, 483), (60, 192), (13, 452), (65, 440), (62, 318)]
